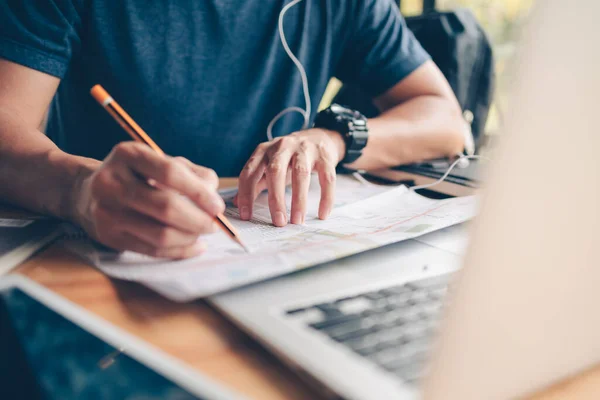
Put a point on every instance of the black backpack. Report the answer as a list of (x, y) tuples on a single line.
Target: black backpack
[(461, 49)]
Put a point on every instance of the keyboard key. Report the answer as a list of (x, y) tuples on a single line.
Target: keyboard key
[(418, 330), (351, 329), (399, 299), (438, 293), (431, 309), (378, 307), (308, 316), (411, 373), (430, 283), (399, 356), (419, 296), (390, 337), (394, 290), (329, 309), (330, 321), (364, 345), (355, 305), (411, 314), (376, 341), (391, 318)]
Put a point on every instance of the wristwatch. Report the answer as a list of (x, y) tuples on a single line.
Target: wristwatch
[(351, 124)]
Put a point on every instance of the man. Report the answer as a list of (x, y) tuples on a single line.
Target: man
[(204, 79)]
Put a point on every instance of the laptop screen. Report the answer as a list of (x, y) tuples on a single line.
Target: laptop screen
[(45, 356)]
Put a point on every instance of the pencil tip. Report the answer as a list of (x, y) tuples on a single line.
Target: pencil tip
[(242, 245)]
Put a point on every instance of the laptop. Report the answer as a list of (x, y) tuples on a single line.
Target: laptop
[(405, 322)]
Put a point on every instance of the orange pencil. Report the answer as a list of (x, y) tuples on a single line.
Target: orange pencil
[(138, 134)]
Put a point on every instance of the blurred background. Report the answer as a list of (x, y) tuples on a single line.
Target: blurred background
[(503, 21)]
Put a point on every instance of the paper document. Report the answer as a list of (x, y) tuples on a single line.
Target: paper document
[(21, 238), (385, 216), (348, 190)]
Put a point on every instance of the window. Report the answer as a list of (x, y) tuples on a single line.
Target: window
[(503, 20)]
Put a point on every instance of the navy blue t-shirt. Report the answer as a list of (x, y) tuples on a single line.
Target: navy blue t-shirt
[(203, 77)]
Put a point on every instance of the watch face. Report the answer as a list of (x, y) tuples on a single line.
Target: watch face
[(342, 112), (337, 109), (352, 125)]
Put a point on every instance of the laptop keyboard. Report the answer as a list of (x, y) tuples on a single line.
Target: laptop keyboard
[(391, 327)]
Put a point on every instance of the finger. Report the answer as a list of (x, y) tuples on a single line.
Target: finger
[(126, 241), (249, 178), (152, 232), (168, 172), (207, 174), (301, 168), (276, 173), (261, 186), (327, 178), (165, 206)]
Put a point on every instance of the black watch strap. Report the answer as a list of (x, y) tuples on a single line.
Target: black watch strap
[(358, 141), (351, 124)]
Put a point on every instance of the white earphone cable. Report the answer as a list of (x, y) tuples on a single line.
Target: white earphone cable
[(306, 112), (454, 164)]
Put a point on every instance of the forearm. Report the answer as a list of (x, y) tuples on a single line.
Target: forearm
[(34, 173), (423, 128)]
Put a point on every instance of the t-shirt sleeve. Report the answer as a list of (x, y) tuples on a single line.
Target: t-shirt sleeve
[(40, 34), (381, 50)]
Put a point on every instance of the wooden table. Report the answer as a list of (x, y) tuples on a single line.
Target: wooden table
[(196, 334)]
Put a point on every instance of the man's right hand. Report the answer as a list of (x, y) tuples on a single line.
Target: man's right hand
[(147, 203)]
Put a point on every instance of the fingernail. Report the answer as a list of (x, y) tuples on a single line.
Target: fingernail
[(325, 214), (245, 213), (279, 219), (297, 218)]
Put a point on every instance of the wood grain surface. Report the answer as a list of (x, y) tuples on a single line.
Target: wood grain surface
[(196, 334)]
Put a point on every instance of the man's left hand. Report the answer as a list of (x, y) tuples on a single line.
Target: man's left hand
[(292, 158)]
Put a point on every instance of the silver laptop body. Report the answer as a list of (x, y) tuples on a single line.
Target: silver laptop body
[(522, 312)]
